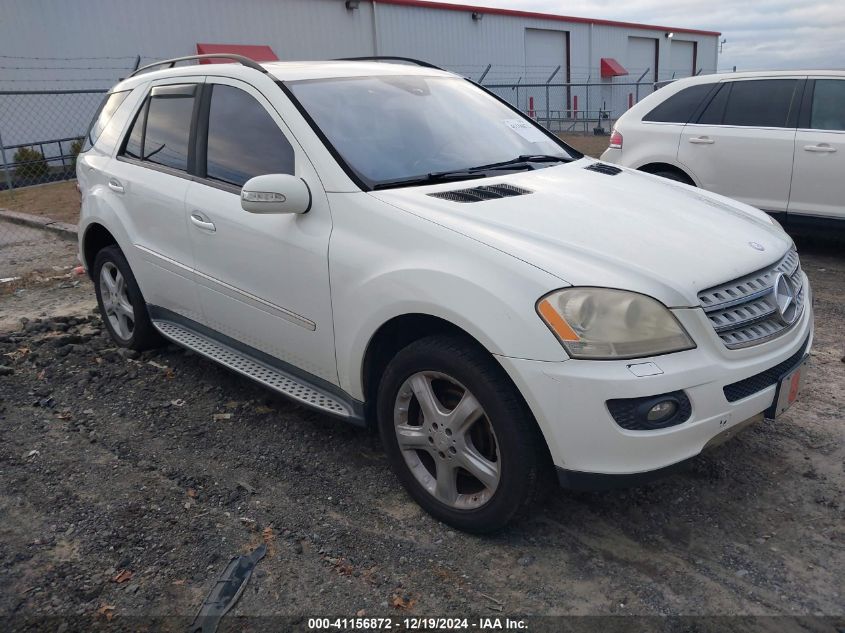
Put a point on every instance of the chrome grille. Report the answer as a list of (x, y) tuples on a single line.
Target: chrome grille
[(744, 311)]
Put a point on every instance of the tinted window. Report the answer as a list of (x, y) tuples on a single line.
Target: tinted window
[(168, 128), (104, 114), (762, 103), (161, 131), (136, 134), (243, 139), (715, 110), (828, 111), (680, 107)]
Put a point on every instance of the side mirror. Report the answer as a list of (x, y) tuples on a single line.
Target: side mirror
[(276, 193)]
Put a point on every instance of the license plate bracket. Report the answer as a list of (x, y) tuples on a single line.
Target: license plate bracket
[(788, 389)]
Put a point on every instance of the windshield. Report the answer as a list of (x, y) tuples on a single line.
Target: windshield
[(397, 130)]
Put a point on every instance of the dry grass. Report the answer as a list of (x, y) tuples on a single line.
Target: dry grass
[(586, 143), (59, 201)]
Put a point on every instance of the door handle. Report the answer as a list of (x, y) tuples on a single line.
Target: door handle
[(114, 185), (701, 140), (202, 223), (820, 149)]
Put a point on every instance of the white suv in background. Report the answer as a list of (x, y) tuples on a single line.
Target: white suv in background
[(392, 245), (774, 140)]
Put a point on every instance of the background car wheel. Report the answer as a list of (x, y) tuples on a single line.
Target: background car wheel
[(459, 436), (122, 306), (674, 175)]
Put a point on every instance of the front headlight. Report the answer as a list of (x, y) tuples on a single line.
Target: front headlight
[(602, 323)]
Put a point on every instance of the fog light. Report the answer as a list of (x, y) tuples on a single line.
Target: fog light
[(662, 411), (650, 413)]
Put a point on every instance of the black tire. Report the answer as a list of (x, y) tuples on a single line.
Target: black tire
[(526, 471), (144, 335), (674, 175)]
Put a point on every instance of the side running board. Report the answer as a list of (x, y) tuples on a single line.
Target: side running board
[(243, 363)]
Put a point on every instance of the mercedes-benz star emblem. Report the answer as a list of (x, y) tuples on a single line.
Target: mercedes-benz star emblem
[(757, 246), (783, 292)]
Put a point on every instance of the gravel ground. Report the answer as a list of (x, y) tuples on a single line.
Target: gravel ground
[(128, 481)]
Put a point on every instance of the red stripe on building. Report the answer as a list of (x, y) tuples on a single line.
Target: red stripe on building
[(541, 16)]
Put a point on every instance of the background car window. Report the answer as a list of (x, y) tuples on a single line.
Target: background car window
[(162, 127), (243, 139), (760, 103), (715, 110), (828, 105), (680, 107), (104, 114)]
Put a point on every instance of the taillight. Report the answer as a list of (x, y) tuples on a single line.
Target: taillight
[(615, 140)]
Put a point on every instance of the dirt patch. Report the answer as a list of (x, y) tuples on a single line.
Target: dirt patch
[(59, 201), (33, 253), (112, 461), (586, 143)]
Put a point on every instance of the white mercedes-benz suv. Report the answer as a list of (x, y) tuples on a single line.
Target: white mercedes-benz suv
[(390, 244)]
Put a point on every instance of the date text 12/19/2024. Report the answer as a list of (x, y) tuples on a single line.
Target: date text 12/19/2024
[(417, 624)]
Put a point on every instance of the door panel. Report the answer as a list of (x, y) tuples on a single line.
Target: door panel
[(154, 197), (262, 279), (544, 51), (744, 149), (642, 58), (818, 187), (681, 59)]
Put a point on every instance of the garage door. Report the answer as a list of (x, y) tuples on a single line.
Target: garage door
[(682, 58), (642, 57), (545, 50)]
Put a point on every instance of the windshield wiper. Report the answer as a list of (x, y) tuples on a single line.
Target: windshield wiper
[(431, 179), (472, 172), (525, 159)]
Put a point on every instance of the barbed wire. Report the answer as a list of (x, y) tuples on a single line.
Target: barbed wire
[(64, 67), (68, 58), (51, 79)]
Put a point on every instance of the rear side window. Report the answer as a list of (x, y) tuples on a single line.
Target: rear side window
[(104, 114), (714, 113), (760, 103), (828, 111), (162, 129), (243, 139), (680, 107)]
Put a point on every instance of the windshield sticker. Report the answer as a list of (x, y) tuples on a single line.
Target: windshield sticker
[(526, 130)]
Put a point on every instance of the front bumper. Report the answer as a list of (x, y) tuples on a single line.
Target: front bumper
[(569, 398)]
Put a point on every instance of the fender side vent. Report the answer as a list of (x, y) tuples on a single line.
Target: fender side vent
[(479, 194), (604, 168)]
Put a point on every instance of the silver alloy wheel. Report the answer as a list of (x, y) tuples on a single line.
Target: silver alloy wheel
[(116, 304), (447, 440)]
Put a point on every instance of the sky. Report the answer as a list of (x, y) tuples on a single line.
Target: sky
[(760, 34)]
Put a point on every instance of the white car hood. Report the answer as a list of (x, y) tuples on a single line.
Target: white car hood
[(630, 230)]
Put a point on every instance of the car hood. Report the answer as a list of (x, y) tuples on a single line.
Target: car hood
[(629, 230)]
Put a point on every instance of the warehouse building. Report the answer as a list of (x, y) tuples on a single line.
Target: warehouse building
[(52, 45)]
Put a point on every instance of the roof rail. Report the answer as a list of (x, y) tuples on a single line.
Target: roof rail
[(387, 58), (245, 61)]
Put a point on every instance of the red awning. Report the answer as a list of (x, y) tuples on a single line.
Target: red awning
[(611, 68), (256, 52)]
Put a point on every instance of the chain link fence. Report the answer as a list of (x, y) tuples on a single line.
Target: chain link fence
[(41, 133), (573, 107)]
